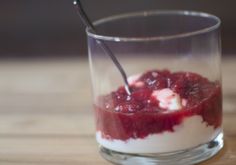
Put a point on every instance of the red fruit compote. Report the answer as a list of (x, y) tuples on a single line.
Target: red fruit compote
[(166, 111)]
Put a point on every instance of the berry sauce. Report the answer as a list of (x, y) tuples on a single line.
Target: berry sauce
[(122, 116)]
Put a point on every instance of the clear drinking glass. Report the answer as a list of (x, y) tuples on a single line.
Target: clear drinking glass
[(172, 60)]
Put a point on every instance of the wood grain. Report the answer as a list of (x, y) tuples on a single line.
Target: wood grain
[(46, 116)]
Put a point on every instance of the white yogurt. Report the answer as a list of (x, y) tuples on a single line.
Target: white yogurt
[(190, 133), (133, 80), (168, 99)]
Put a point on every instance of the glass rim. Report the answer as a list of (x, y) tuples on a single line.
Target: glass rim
[(150, 13)]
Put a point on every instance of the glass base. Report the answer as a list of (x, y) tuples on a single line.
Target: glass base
[(186, 157)]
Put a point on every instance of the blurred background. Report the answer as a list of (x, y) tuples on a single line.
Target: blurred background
[(51, 28)]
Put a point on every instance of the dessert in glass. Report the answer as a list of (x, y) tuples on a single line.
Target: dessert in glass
[(173, 114)]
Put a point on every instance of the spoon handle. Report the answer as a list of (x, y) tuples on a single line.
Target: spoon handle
[(102, 44), (83, 15)]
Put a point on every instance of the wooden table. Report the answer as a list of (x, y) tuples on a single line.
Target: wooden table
[(46, 116)]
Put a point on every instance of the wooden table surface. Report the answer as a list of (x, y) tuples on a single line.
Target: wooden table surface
[(46, 116)]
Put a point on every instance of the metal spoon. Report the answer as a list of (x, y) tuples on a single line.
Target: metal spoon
[(106, 49)]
